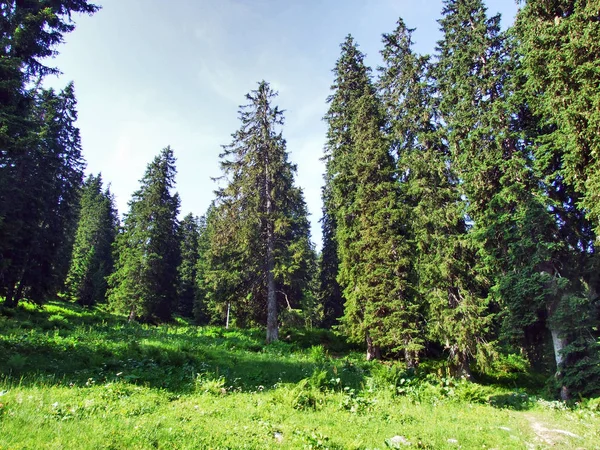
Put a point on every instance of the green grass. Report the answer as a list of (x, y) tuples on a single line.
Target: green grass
[(75, 378)]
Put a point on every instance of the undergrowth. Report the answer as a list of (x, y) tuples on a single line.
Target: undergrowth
[(129, 385)]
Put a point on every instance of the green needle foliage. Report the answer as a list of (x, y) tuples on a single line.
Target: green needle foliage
[(40, 161), (560, 48), (371, 232), (187, 287), (144, 284), (92, 262), (557, 51), (460, 214), (435, 213), (351, 79), (41, 201), (260, 252), (374, 248)]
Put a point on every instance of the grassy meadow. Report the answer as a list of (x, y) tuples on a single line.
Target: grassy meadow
[(74, 378)]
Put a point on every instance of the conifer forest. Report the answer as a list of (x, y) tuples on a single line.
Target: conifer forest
[(460, 208)]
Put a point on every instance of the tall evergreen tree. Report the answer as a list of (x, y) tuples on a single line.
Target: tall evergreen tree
[(206, 305), (92, 261), (441, 260), (370, 220), (36, 231), (29, 32), (351, 77), (187, 287), (261, 251), (144, 283), (511, 228), (373, 245), (557, 51), (560, 48)]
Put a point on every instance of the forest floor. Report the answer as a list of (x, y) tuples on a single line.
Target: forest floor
[(74, 378)]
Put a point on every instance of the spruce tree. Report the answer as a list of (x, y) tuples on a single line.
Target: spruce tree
[(425, 185), (260, 252), (447, 290), (29, 32), (511, 228), (560, 44), (37, 229), (373, 245), (351, 77), (370, 221), (144, 284), (556, 54), (91, 261), (187, 286)]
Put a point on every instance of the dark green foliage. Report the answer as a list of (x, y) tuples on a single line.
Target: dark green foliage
[(444, 290), (40, 161), (560, 48), (187, 287), (144, 284), (92, 261), (39, 206), (374, 251), (329, 292), (260, 253), (370, 220), (557, 53), (31, 30), (351, 77), (509, 231)]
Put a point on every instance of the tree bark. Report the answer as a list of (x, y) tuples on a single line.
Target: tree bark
[(410, 357), (272, 327), (373, 351), (559, 344)]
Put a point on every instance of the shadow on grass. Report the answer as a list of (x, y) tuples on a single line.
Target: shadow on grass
[(65, 344), (515, 401)]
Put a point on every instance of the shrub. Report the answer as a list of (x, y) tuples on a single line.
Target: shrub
[(207, 383), (318, 354)]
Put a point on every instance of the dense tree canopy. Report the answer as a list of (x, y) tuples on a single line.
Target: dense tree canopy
[(41, 167), (460, 199)]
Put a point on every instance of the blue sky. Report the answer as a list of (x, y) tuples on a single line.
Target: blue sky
[(152, 73)]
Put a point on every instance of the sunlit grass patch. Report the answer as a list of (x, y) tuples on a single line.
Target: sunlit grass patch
[(179, 386)]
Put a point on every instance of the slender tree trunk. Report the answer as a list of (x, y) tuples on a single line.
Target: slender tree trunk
[(373, 351), (272, 328), (559, 344), (410, 357), (227, 320)]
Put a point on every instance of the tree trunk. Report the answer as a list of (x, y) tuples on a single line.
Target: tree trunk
[(132, 315), (463, 369), (373, 351), (559, 344), (272, 327), (460, 367), (410, 357)]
